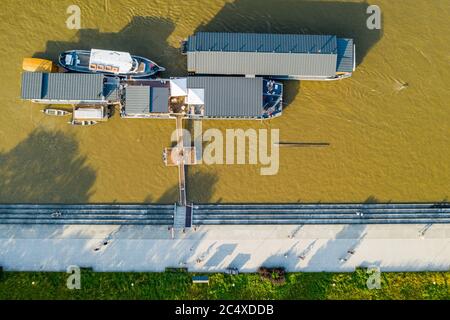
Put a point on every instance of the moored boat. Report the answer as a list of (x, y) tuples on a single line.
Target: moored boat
[(93, 113), (108, 62), (39, 65), (83, 122), (55, 112)]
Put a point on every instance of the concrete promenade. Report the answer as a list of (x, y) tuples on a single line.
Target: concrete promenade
[(412, 247)]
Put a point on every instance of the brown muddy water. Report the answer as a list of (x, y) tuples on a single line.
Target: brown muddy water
[(388, 127)]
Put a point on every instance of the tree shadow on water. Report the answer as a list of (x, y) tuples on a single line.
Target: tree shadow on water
[(200, 188), (371, 200), (143, 36), (46, 167), (343, 19)]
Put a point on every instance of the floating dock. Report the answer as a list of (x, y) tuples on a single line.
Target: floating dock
[(189, 97)]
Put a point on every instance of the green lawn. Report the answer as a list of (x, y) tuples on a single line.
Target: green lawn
[(178, 285)]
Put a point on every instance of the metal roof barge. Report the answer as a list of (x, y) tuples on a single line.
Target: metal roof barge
[(276, 56), (203, 98), (190, 97), (69, 88)]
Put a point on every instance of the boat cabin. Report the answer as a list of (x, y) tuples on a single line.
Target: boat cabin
[(112, 61), (99, 113)]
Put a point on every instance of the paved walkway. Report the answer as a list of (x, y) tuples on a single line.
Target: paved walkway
[(214, 248)]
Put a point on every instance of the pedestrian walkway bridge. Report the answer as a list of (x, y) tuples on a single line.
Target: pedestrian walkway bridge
[(225, 214)]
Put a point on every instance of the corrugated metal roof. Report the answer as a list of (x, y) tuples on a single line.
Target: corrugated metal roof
[(160, 100), (264, 64), (137, 99), (345, 55), (31, 85), (230, 96), (62, 86), (262, 42), (278, 55), (262, 54), (73, 86)]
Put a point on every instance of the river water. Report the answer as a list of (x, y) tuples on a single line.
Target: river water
[(388, 127)]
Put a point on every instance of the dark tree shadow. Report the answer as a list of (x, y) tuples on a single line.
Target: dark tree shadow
[(170, 196), (302, 285), (371, 200), (46, 167), (200, 187), (349, 238), (240, 260), (143, 36), (221, 253), (342, 19), (148, 199)]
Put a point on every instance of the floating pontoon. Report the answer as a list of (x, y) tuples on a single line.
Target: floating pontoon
[(276, 56), (203, 98), (70, 88)]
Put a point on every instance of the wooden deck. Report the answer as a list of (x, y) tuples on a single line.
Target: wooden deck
[(178, 156)]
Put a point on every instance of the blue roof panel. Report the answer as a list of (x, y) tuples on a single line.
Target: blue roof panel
[(262, 42), (345, 58)]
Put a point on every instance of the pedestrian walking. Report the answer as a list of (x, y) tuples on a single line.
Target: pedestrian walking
[(56, 214)]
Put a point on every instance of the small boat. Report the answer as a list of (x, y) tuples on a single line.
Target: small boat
[(82, 122), (108, 62), (55, 112), (93, 113), (39, 65)]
